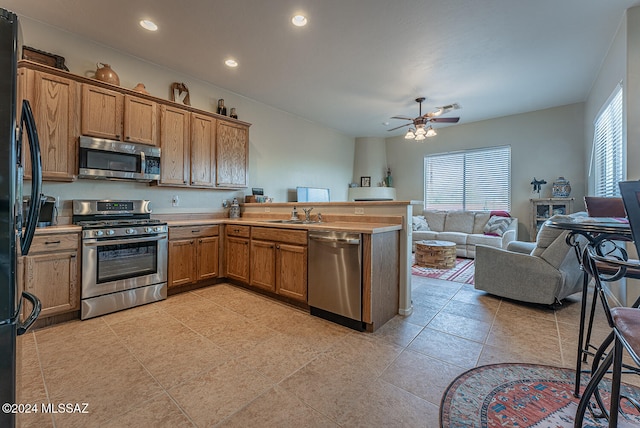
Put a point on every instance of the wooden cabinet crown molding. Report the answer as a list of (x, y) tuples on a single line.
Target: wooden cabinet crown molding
[(81, 79)]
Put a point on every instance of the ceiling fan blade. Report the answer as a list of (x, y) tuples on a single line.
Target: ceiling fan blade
[(398, 127), (442, 110), (444, 119), (402, 117)]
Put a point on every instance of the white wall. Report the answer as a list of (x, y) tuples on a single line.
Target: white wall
[(545, 144), (612, 72), (285, 151), (633, 92), (370, 160)]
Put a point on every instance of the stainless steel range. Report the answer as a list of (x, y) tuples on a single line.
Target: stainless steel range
[(124, 255)]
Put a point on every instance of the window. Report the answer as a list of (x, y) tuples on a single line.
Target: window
[(469, 180), (608, 147)]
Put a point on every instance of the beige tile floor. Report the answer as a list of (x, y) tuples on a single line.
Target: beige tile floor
[(223, 356)]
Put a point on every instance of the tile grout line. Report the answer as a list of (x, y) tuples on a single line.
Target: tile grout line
[(44, 382), (121, 340)]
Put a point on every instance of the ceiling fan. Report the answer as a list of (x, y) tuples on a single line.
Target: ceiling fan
[(419, 132)]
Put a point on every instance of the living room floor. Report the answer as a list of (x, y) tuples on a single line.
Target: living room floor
[(223, 356)]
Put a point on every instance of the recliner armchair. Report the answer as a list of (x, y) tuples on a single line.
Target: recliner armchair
[(544, 272)]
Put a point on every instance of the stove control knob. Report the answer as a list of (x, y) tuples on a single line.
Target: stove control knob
[(99, 233), (158, 228), (130, 231), (148, 229), (111, 232)]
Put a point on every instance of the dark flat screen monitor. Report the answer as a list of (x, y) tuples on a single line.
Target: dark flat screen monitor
[(312, 194)]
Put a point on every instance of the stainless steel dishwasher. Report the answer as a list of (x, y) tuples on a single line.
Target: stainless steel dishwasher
[(335, 277)]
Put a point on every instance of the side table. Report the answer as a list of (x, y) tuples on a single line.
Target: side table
[(436, 254)]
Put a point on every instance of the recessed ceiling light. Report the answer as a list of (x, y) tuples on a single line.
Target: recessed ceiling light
[(231, 63), (148, 25), (299, 20)]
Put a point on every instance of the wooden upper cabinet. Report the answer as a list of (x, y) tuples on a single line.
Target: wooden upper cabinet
[(232, 153), (101, 112), (140, 120), (55, 102), (203, 137), (174, 143)]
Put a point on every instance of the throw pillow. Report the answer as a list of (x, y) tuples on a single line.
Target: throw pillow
[(420, 223), (497, 225), (500, 214)]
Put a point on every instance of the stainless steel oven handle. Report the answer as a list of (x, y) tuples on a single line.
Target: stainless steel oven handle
[(95, 243)]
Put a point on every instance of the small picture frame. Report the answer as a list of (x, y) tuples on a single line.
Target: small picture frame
[(365, 181)]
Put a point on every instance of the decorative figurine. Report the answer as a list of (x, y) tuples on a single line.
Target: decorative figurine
[(180, 93), (537, 185), (221, 108), (233, 113)]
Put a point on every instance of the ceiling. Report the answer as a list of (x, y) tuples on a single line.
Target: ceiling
[(359, 62)]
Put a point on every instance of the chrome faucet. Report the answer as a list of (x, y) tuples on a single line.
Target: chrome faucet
[(294, 214), (307, 212)]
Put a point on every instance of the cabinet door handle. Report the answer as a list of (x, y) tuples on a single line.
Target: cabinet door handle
[(51, 242), (195, 231), (117, 136), (73, 256), (201, 241), (191, 242)]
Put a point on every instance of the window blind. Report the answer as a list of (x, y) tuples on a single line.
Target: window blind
[(608, 151), (469, 180)]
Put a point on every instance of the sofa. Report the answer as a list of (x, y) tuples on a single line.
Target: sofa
[(466, 229), (543, 272)]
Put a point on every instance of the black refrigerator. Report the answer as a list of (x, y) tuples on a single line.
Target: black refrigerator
[(17, 128)]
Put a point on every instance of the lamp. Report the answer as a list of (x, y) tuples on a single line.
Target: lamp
[(410, 134), (420, 133)]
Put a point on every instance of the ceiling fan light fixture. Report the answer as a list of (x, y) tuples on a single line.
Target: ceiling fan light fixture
[(420, 130), (410, 134), (431, 132), (420, 137)]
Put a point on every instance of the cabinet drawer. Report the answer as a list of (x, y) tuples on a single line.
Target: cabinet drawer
[(238, 230), (186, 232), (280, 235), (55, 242)]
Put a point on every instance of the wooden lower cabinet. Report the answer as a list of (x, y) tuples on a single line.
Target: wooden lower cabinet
[(291, 265), (237, 253), (279, 261), (51, 272), (193, 254)]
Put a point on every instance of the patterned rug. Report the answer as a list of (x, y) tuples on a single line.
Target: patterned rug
[(463, 272), (523, 395)]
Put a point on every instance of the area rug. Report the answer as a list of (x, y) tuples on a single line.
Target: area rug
[(523, 395), (463, 272)]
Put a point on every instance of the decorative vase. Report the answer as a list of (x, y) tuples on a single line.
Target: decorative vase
[(141, 88), (234, 211), (561, 188), (106, 74)]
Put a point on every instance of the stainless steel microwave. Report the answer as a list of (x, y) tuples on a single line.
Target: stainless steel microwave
[(117, 160)]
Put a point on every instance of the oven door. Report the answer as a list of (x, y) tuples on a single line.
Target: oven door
[(110, 265)]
